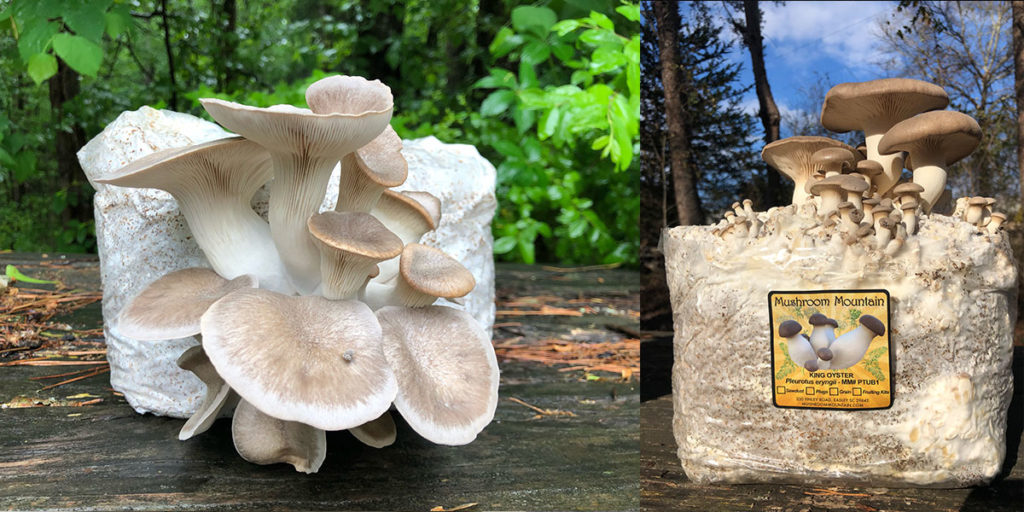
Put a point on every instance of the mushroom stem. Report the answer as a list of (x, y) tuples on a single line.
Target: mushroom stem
[(849, 348), (892, 164), (298, 188), (931, 176)]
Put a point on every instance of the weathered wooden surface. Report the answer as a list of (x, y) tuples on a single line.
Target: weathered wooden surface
[(105, 456), (665, 486)]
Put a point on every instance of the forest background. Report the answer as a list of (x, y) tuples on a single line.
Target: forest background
[(548, 91), (701, 135)]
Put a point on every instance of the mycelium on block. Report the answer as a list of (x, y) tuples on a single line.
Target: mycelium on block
[(951, 283)]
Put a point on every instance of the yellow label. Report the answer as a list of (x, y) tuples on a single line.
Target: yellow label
[(831, 349)]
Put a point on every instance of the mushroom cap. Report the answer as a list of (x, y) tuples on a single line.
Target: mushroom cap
[(854, 184), (381, 160), (820, 319), (171, 306), (792, 156), (790, 328), (856, 216), (262, 439), (446, 369), (286, 129), (230, 165), (948, 134), (832, 155), (855, 105), (354, 233), (864, 231), (834, 182), (909, 204), (432, 272), (304, 359), (408, 214), (348, 94), (907, 188), (845, 205), (871, 201), (869, 168), (887, 222), (873, 324), (998, 215), (977, 201)]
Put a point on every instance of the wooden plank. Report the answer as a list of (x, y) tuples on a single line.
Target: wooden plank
[(105, 456)]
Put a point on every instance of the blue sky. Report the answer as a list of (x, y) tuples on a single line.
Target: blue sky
[(837, 38)]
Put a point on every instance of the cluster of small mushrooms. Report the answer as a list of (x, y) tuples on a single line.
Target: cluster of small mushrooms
[(822, 350), (314, 321), (856, 193)]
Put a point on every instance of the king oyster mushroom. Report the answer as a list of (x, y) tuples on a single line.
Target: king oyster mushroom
[(874, 107), (304, 147), (935, 140), (791, 157)]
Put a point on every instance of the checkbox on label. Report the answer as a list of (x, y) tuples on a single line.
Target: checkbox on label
[(780, 390), (809, 390), (833, 391), (858, 392)]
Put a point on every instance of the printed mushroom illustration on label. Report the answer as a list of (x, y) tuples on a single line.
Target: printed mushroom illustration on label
[(831, 349)]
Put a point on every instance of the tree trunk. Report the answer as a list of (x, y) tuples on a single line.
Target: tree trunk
[(1018, 86), (64, 87), (675, 82), (228, 44), (768, 112), (170, 56)]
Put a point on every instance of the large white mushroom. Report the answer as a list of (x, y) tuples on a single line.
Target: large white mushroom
[(934, 140), (172, 306), (304, 147), (874, 107), (213, 184), (791, 157), (446, 369), (263, 439), (218, 393), (304, 359)]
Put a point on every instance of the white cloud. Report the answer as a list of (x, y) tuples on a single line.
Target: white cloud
[(802, 32)]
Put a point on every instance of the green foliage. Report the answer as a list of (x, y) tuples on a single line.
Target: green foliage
[(562, 132), (70, 29), (564, 129)]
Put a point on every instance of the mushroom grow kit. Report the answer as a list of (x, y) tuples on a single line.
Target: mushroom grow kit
[(312, 321), (862, 334)]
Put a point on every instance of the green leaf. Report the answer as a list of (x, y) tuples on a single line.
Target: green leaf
[(535, 53), (83, 55), (606, 58), (537, 20), (548, 123), (498, 79), (87, 19), (36, 38), (524, 119), (563, 52), (42, 66), (527, 75), (602, 21), (565, 26), (600, 142), (24, 166), (504, 244), (16, 275), (497, 102), (629, 11), (5, 158), (535, 99), (504, 42), (600, 37), (119, 20)]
